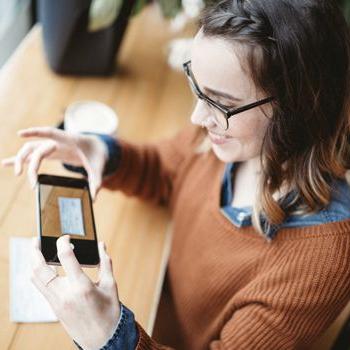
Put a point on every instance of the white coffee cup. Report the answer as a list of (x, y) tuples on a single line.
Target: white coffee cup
[(90, 116)]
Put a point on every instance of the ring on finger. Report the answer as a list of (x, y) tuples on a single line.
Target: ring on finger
[(45, 274), (51, 279)]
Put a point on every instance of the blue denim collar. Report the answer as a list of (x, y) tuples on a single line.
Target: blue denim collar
[(337, 210)]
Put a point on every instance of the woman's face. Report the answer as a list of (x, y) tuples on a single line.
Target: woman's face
[(218, 71)]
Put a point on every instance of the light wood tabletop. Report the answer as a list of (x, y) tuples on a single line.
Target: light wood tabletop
[(152, 102)]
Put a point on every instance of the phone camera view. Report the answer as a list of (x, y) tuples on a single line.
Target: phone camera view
[(65, 210), (71, 216)]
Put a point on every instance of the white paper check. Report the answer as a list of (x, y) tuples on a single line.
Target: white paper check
[(26, 302), (71, 216)]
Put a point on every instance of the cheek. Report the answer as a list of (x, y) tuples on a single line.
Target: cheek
[(248, 131), (247, 126)]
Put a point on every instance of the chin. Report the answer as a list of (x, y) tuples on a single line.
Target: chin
[(223, 155)]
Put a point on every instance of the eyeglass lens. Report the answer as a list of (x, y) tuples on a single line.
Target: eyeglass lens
[(219, 115)]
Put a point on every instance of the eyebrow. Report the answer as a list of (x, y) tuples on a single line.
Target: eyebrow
[(222, 94)]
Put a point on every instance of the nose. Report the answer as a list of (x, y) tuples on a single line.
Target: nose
[(202, 115)]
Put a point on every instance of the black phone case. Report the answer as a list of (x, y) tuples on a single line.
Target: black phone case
[(86, 251)]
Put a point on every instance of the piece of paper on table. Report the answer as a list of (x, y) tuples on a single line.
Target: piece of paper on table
[(26, 302)]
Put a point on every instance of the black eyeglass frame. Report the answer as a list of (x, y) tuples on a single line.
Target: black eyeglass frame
[(228, 112)]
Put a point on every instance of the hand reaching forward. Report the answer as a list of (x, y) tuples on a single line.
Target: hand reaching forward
[(74, 149)]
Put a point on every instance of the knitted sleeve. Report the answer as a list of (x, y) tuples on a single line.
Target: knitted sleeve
[(288, 305), (149, 170)]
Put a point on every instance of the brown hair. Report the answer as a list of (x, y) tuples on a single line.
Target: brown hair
[(297, 51)]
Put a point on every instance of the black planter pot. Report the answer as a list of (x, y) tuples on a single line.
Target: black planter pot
[(69, 47)]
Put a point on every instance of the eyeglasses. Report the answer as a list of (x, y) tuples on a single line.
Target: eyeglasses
[(222, 113)]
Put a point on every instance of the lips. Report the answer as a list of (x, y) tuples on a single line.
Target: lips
[(215, 133), (218, 138)]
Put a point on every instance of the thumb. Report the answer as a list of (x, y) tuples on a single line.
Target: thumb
[(96, 181), (106, 278), (90, 173)]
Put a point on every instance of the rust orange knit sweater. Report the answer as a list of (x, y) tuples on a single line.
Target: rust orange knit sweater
[(231, 288)]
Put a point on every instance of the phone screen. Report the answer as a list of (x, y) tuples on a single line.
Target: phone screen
[(65, 208)]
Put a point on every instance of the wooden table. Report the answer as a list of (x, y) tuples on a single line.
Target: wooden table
[(152, 102)]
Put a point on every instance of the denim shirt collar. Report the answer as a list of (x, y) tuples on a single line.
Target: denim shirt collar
[(241, 216), (338, 209)]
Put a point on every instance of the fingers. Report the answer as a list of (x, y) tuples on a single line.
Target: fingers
[(32, 152), (95, 184), (96, 192), (93, 177), (41, 273), (22, 156), (43, 132), (68, 260), (106, 278), (41, 152), (37, 256), (8, 161), (96, 180)]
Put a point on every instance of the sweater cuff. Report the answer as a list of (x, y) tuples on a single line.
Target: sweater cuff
[(126, 335), (113, 156)]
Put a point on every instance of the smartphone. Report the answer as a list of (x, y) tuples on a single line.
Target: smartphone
[(64, 207)]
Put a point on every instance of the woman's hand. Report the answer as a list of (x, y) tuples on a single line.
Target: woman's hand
[(88, 311), (74, 149)]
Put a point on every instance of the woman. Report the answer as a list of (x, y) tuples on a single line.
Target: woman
[(261, 244)]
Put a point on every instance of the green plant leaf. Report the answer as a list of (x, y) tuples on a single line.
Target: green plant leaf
[(170, 8), (139, 5)]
